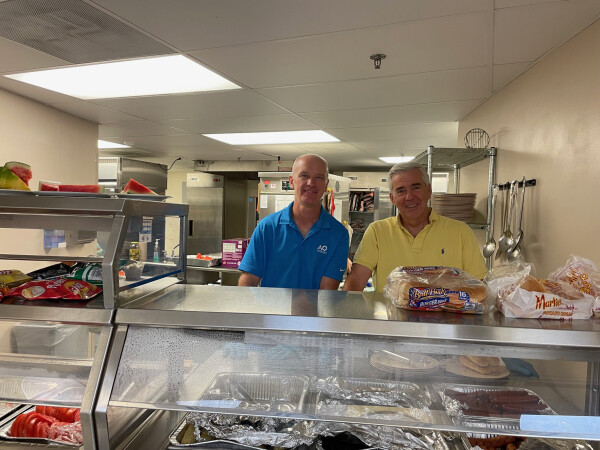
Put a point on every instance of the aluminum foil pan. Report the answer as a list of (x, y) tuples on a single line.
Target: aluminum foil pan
[(462, 400), (257, 392), (355, 397), (7, 409)]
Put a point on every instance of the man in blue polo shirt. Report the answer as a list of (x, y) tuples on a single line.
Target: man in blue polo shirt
[(301, 246)]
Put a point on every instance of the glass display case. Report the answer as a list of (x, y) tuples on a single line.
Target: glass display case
[(335, 359), (54, 349)]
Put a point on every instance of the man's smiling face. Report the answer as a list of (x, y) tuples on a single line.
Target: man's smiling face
[(410, 195), (309, 181)]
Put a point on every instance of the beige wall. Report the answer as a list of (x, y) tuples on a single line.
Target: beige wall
[(546, 125), (58, 147)]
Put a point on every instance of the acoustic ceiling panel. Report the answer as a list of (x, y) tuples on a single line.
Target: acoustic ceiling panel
[(73, 31)]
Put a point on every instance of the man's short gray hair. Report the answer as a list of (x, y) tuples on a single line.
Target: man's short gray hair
[(405, 167), (313, 156)]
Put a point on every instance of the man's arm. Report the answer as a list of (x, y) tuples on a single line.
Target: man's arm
[(357, 280), (247, 279), (329, 284)]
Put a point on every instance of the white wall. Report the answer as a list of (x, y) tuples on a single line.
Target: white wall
[(58, 147)]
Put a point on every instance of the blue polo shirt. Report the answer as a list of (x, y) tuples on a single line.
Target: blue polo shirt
[(279, 255)]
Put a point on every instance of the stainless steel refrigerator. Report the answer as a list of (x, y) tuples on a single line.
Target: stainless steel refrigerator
[(220, 208)]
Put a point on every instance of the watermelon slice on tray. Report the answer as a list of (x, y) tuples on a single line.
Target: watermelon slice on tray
[(8, 180), (94, 188), (22, 170), (133, 187), (48, 185)]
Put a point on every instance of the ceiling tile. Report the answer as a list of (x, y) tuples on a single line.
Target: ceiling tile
[(398, 132), (16, 58), (93, 113), (194, 25), (430, 112), (289, 122), (235, 103), (174, 140), (464, 84), (525, 33), (134, 128), (328, 57)]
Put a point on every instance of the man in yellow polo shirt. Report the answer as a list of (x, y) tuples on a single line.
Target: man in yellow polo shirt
[(416, 237)]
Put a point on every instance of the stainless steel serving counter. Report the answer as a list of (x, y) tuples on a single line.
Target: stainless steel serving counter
[(361, 313)]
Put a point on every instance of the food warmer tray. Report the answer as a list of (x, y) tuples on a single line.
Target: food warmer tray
[(5, 436), (216, 444)]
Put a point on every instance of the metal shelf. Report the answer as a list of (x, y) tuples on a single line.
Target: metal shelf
[(452, 158)]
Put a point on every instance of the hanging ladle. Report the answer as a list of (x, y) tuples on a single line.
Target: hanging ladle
[(506, 240), (515, 251), (490, 246)]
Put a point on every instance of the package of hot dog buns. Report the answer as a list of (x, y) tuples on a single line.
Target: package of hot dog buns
[(436, 288), (584, 275), (520, 294)]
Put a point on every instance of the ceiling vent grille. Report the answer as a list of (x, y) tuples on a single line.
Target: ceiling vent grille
[(73, 31)]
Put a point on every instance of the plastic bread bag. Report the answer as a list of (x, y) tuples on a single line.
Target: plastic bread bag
[(520, 294), (583, 275), (436, 288)]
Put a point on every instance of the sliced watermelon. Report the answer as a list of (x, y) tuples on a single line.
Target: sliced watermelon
[(133, 187), (95, 188), (8, 180), (48, 186), (22, 170)]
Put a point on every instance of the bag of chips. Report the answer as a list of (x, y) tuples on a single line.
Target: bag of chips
[(10, 279), (58, 288)]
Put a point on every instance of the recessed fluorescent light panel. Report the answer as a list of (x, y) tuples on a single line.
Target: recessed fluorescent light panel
[(275, 137), (106, 144), (396, 159), (133, 78)]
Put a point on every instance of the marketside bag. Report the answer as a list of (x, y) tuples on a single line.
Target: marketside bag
[(520, 294), (436, 288)]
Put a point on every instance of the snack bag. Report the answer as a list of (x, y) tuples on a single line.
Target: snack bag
[(10, 279), (520, 294), (58, 288), (583, 275), (436, 288), (92, 273)]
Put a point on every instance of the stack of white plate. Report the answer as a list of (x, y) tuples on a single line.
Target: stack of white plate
[(455, 206), (404, 363)]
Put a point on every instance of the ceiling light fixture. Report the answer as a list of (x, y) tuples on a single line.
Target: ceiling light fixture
[(105, 144), (274, 137), (133, 78), (376, 58), (396, 159)]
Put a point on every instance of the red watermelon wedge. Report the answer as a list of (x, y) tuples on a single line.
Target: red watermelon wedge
[(133, 187), (95, 188), (48, 186), (22, 170)]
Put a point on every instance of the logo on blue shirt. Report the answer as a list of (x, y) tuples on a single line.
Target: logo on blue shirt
[(322, 249)]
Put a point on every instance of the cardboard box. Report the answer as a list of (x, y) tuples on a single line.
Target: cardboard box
[(233, 251)]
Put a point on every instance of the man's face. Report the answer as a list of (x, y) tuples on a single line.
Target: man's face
[(410, 195), (309, 181)]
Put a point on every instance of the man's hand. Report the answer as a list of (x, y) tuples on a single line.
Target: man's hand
[(247, 279), (357, 280)]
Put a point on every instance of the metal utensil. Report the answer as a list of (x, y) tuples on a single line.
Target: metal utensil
[(515, 251), (506, 240), (490, 246)]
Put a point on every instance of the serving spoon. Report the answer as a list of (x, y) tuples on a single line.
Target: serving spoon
[(490, 246), (515, 251), (506, 240)]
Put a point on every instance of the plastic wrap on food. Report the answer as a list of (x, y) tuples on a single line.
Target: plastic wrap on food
[(520, 294), (436, 288), (66, 432), (250, 430), (583, 275)]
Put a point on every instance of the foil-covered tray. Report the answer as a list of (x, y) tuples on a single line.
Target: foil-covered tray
[(356, 397), (5, 435), (464, 401), (174, 444), (257, 392), (215, 260)]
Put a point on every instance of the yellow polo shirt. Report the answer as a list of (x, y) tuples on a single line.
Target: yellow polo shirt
[(443, 242)]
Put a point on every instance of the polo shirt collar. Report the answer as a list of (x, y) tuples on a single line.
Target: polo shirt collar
[(322, 222), (433, 217)]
